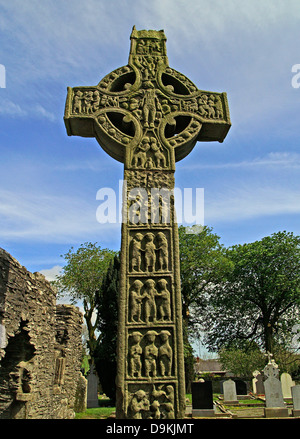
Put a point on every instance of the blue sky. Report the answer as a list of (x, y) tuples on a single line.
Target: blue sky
[(49, 181)]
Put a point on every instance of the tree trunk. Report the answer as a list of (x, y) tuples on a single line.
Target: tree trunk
[(268, 337)]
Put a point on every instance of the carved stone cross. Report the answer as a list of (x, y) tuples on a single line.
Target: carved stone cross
[(148, 116)]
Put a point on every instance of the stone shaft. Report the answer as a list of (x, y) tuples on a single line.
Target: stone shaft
[(150, 379)]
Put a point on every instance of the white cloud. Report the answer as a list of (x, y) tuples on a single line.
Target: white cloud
[(247, 50), (253, 201), (51, 273), (10, 108), (50, 218), (282, 160), (40, 111)]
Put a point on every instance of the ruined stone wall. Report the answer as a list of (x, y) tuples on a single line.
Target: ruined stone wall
[(68, 354), (40, 346)]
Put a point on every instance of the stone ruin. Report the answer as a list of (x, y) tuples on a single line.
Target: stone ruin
[(40, 347)]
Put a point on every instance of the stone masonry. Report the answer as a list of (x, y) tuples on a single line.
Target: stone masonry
[(40, 347)]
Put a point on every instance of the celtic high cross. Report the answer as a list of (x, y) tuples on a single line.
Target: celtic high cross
[(148, 116)]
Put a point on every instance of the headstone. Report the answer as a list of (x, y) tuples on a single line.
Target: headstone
[(229, 389), (286, 384), (296, 400), (92, 388), (80, 404), (257, 383), (241, 387), (275, 406), (148, 116), (202, 399)]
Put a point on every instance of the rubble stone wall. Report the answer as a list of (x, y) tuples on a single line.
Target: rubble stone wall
[(40, 346)]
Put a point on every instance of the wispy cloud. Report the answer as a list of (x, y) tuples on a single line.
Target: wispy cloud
[(223, 44), (10, 108), (50, 218), (282, 160), (249, 202)]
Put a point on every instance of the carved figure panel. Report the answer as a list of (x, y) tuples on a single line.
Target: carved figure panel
[(150, 401), (150, 353), (149, 251), (150, 206), (150, 154), (149, 301)]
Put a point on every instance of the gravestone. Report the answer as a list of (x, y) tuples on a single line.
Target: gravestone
[(80, 404), (257, 383), (296, 400), (241, 387), (229, 391), (286, 384), (275, 406), (148, 116), (92, 388), (202, 399)]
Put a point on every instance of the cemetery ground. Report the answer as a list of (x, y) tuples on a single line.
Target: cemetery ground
[(251, 407)]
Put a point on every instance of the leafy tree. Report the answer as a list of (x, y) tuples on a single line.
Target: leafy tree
[(259, 300), (202, 261), (242, 361), (107, 308), (81, 278)]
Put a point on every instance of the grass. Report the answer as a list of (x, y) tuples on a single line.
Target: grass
[(96, 413), (104, 410)]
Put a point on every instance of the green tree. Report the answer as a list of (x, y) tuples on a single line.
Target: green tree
[(107, 309), (202, 262), (81, 278), (259, 300), (242, 361)]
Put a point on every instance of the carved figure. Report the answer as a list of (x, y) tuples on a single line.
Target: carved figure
[(96, 100), (169, 411), (160, 159), (87, 101), (150, 256), (77, 107), (158, 394), (139, 404), (150, 104), (136, 256), (135, 353), (164, 307), (138, 209), (150, 305), (155, 410), (163, 253), (165, 354), (150, 354), (140, 156), (219, 108), (136, 301)]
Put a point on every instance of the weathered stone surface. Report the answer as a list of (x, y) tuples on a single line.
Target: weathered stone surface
[(40, 353), (148, 116), (80, 404), (286, 384), (229, 389)]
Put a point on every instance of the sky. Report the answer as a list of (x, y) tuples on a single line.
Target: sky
[(49, 181)]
